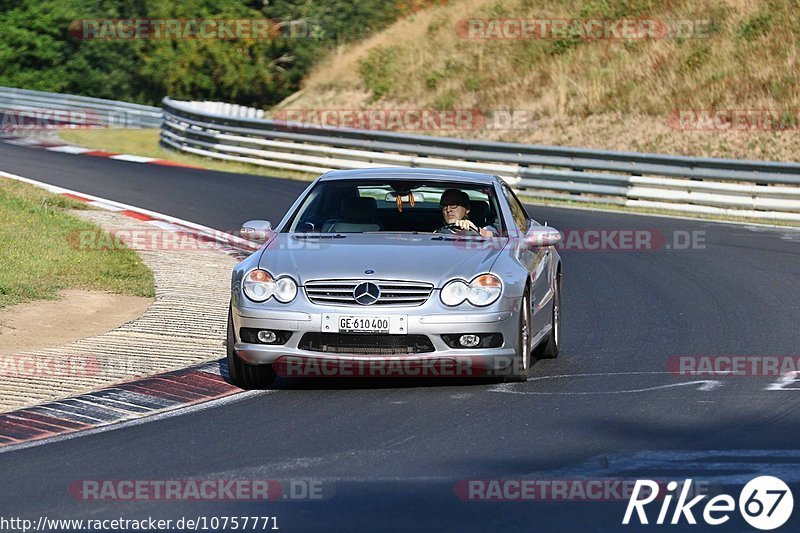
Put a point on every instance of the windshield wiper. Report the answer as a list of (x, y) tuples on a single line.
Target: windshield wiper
[(320, 236), (453, 238)]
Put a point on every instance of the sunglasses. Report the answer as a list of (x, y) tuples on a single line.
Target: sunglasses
[(452, 206)]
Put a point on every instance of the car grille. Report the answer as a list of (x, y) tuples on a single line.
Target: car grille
[(340, 292), (365, 344)]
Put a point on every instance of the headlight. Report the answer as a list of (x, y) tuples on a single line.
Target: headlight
[(484, 290), (285, 290), (480, 292), (454, 292), (260, 286)]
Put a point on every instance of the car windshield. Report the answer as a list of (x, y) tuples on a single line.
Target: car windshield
[(370, 206)]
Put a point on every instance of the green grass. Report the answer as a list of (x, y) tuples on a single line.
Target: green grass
[(39, 255), (144, 142)]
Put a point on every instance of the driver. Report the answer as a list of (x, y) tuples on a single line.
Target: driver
[(455, 208)]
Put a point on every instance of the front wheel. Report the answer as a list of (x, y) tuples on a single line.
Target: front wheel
[(522, 362), (243, 374), (550, 347)]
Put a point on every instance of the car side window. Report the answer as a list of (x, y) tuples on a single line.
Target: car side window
[(517, 209)]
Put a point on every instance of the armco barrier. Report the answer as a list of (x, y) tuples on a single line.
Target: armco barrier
[(753, 189), (59, 110)]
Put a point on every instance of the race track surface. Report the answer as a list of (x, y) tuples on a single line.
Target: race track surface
[(389, 455)]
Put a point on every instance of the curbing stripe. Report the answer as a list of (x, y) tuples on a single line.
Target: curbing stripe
[(167, 163), (61, 146), (133, 158), (100, 153), (75, 197), (138, 216), (132, 398), (59, 423), (123, 402), (68, 149), (64, 411)]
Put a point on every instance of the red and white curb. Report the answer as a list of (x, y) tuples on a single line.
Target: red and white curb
[(115, 405), (59, 146), (226, 242)]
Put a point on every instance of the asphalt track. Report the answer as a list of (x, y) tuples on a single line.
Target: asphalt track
[(390, 454)]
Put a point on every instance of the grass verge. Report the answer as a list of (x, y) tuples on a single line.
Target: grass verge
[(37, 258), (144, 142)]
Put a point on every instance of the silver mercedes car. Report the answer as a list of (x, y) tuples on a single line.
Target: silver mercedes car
[(396, 272)]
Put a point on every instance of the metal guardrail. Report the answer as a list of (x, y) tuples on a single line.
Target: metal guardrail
[(24, 109), (752, 189)]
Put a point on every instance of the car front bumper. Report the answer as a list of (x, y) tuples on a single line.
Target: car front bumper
[(431, 320)]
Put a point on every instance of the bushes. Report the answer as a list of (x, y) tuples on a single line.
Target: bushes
[(38, 52)]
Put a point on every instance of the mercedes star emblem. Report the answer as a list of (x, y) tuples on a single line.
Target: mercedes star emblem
[(366, 293)]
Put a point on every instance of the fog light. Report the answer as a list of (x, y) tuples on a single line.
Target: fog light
[(266, 336), (469, 341)]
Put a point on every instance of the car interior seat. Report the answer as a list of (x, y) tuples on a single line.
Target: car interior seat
[(357, 215), (478, 210)]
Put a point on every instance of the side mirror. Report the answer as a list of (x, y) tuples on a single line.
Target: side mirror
[(256, 230), (542, 236)]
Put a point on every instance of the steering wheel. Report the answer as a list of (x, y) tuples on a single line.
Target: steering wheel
[(453, 229)]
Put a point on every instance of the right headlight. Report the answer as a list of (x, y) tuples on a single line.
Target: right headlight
[(260, 286), (483, 290)]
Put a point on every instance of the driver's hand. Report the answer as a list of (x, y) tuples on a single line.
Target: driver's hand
[(467, 225)]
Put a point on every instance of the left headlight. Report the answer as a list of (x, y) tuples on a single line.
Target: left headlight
[(483, 290), (260, 286)]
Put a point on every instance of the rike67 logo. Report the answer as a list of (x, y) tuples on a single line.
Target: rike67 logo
[(765, 503)]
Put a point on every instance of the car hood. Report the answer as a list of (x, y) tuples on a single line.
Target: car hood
[(429, 258)]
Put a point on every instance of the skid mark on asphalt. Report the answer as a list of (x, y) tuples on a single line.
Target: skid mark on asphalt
[(705, 385)]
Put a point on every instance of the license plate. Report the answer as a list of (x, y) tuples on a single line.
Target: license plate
[(395, 324), (363, 324)]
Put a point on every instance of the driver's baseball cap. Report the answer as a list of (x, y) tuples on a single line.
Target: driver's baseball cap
[(454, 196)]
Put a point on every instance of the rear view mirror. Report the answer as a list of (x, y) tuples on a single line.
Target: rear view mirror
[(392, 197)]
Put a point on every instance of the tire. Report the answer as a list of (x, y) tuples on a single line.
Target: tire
[(550, 346), (522, 361), (242, 374)]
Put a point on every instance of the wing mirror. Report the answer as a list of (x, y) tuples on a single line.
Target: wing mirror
[(542, 236), (256, 230)]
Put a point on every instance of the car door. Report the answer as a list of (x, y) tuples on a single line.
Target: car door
[(539, 262)]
